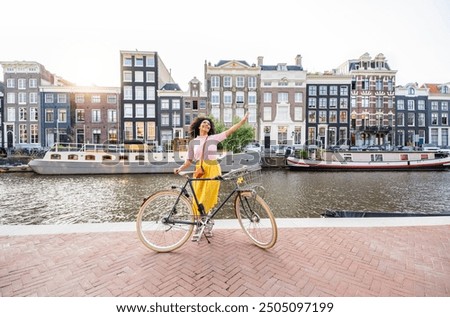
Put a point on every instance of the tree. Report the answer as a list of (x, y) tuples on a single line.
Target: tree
[(238, 140)]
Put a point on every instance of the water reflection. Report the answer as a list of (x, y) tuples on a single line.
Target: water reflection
[(28, 198)]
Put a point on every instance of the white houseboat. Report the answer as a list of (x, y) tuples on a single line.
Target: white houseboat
[(370, 161), (122, 159)]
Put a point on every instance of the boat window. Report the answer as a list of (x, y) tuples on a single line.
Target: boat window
[(347, 157), (403, 157), (73, 157), (140, 158), (123, 157), (376, 157), (424, 156), (90, 158), (55, 157), (106, 157)]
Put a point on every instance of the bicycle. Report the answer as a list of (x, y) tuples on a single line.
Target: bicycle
[(166, 218)]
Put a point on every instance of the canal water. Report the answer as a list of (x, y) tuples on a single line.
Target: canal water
[(28, 198)]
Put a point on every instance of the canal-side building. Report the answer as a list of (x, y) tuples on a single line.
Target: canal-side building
[(170, 115), (282, 103), (22, 107), (438, 113), (411, 118), (232, 88), (55, 125), (79, 115), (328, 109), (372, 99), (194, 104), (95, 115), (142, 74)]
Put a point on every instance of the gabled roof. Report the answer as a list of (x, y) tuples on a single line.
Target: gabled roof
[(171, 86), (223, 62)]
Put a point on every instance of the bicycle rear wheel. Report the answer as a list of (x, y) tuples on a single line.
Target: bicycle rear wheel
[(256, 219), (155, 221)]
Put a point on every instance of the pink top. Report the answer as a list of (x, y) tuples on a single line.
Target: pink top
[(196, 147)]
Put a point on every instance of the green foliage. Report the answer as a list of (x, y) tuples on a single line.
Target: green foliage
[(238, 140)]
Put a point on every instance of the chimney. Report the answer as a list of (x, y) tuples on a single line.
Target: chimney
[(298, 60), (260, 60)]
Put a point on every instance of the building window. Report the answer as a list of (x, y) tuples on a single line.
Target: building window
[(411, 106), (267, 97), (128, 110), (96, 116), (150, 77), (343, 90), (227, 115), (10, 83), (62, 98), (127, 76), (112, 116), (267, 113), (32, 82), (151, 110), (139, 110), (400, 119), (444, 119), (215, 98), (240, 82), (22, 98), (151, 93), (312, 117), (165, 119), (434, 106), (323, 103), (80, 115), (48, 98), (127, 92), (298, 97), (333, 90), (164, 104), (150, 61), (33, 97), (252, 82), (139, 62), (298, 114), (10, 97), (283, 97), (411, 119), (421, 119), (215, 81), (79, 98), (227, 81), (139, 76), (176, 104), (434, 118), (312, 90), (22, 114), (333, 117), (127, 61), (34, 114), (323, 90), (227, 98), (333, 103), (312, 103), (252, 98), (322, 117), (22, 83), (343, 117), (23, 134), (111, 99), (240, 97), (139, 92)]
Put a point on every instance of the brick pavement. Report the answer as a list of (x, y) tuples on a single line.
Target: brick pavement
[(309, 261)]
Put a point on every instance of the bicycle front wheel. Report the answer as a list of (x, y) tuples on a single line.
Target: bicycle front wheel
[(256, 219), (165, 221)]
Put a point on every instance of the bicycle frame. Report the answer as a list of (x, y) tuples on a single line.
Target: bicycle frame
[(200, 207)]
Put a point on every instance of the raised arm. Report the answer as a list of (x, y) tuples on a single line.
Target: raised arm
[(236, 126)]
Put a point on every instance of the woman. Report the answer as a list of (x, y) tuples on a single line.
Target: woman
[(202, 130)]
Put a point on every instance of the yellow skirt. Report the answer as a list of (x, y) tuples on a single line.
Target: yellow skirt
[(207, 192)]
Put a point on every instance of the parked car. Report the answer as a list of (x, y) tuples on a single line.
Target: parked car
[(278, 150)]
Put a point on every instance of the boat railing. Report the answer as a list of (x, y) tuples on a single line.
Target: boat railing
[(65, 147)]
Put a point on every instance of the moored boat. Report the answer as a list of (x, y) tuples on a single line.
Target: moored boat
[(370, 161), (121, 159)]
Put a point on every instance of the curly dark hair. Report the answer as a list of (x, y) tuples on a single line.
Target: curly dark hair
[(195, 127)]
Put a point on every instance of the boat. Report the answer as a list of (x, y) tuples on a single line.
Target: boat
[(74, 159), (368, 161)]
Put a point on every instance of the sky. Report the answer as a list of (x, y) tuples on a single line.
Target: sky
[(81, 40)]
